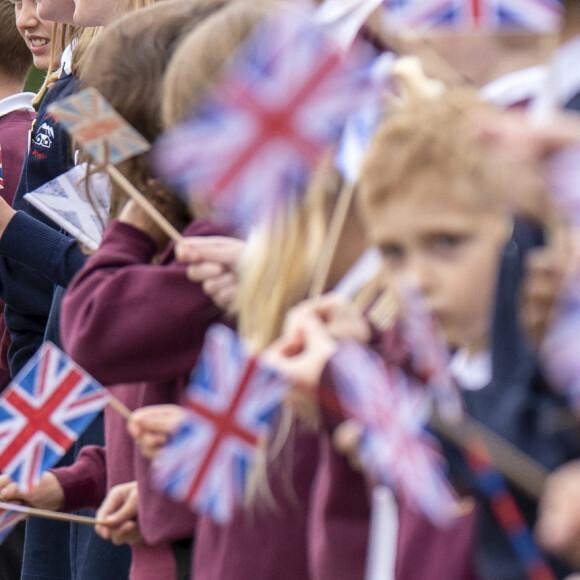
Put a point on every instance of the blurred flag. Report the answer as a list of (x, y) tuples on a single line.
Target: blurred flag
[(395, 447), (429, 351), (361, 125), (281, 102), (490, 15), (8, 519), (233, 401), (102, 132), (43, 411), (342, 20), (64, 200)]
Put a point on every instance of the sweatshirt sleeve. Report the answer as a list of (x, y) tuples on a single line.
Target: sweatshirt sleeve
[(125, 320), (31, 242), (85, 481)]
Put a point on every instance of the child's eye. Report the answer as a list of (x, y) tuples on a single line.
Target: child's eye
[(447, 243), (391, 251)]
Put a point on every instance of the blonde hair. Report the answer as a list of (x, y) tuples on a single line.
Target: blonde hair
[(424, 135), (199, 59), (282, 252)]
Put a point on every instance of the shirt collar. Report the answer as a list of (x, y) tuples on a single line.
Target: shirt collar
[(472, 372), (16, 102), (66, 58)]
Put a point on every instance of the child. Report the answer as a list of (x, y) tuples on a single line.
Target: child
[(136, 344), (436, 203), (16, 114)]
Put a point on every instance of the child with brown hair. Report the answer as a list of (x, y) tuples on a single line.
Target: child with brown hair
[(144, 352)]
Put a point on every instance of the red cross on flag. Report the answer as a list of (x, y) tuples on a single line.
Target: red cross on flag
[(42, 413)]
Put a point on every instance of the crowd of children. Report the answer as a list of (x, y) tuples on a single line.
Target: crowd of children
[(454, 193)]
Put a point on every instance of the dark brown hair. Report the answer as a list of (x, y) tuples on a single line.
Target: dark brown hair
[(126, 63), (15, 56)]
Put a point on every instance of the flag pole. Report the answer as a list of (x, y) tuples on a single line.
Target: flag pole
[(143, 202), (337, 221), (384, 532), (49, 514), (120, 407)]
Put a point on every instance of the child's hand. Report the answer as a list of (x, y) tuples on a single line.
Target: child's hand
[(302, 354), (346, 440), (119, 513), (152, 426), (341, 318), (558, 525), (213, 262), (545, 271), (48, 494)]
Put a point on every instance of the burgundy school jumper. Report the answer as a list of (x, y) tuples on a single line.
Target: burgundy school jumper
[(137, 328), (265, 541), (340, 515)]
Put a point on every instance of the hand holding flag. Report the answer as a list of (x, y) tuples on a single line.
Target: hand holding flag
[(42, 413), (394, 448), (232, 401)]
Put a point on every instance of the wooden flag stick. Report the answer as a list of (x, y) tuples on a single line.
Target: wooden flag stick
[(143, 202), (121, 408), (332, 237), (520, 469), (49, 514)]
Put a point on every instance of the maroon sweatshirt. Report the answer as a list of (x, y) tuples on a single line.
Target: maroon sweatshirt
[(266, 540), (137, 328), (339, 520)]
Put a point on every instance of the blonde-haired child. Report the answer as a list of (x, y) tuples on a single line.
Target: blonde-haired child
[(437, 201)]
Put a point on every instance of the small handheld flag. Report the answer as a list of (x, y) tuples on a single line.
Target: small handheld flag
[(102, 132), (429, 354), (395, 448), (489, 15), (233, 401), (64, 200), (8, 520), (280, 103), (48, 404)]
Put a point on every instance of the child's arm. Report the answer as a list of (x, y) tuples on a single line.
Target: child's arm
[(80, 485), (126, 320)]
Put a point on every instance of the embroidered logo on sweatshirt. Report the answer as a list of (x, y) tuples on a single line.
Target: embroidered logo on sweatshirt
[(45, 136)]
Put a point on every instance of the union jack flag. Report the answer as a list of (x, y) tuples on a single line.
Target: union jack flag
[(65, 201), (1, 172), (254, 139), (102, 132), (233, 401), (42, 413), (539, 15), (395, 447), (429, 354), (8, 519)]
